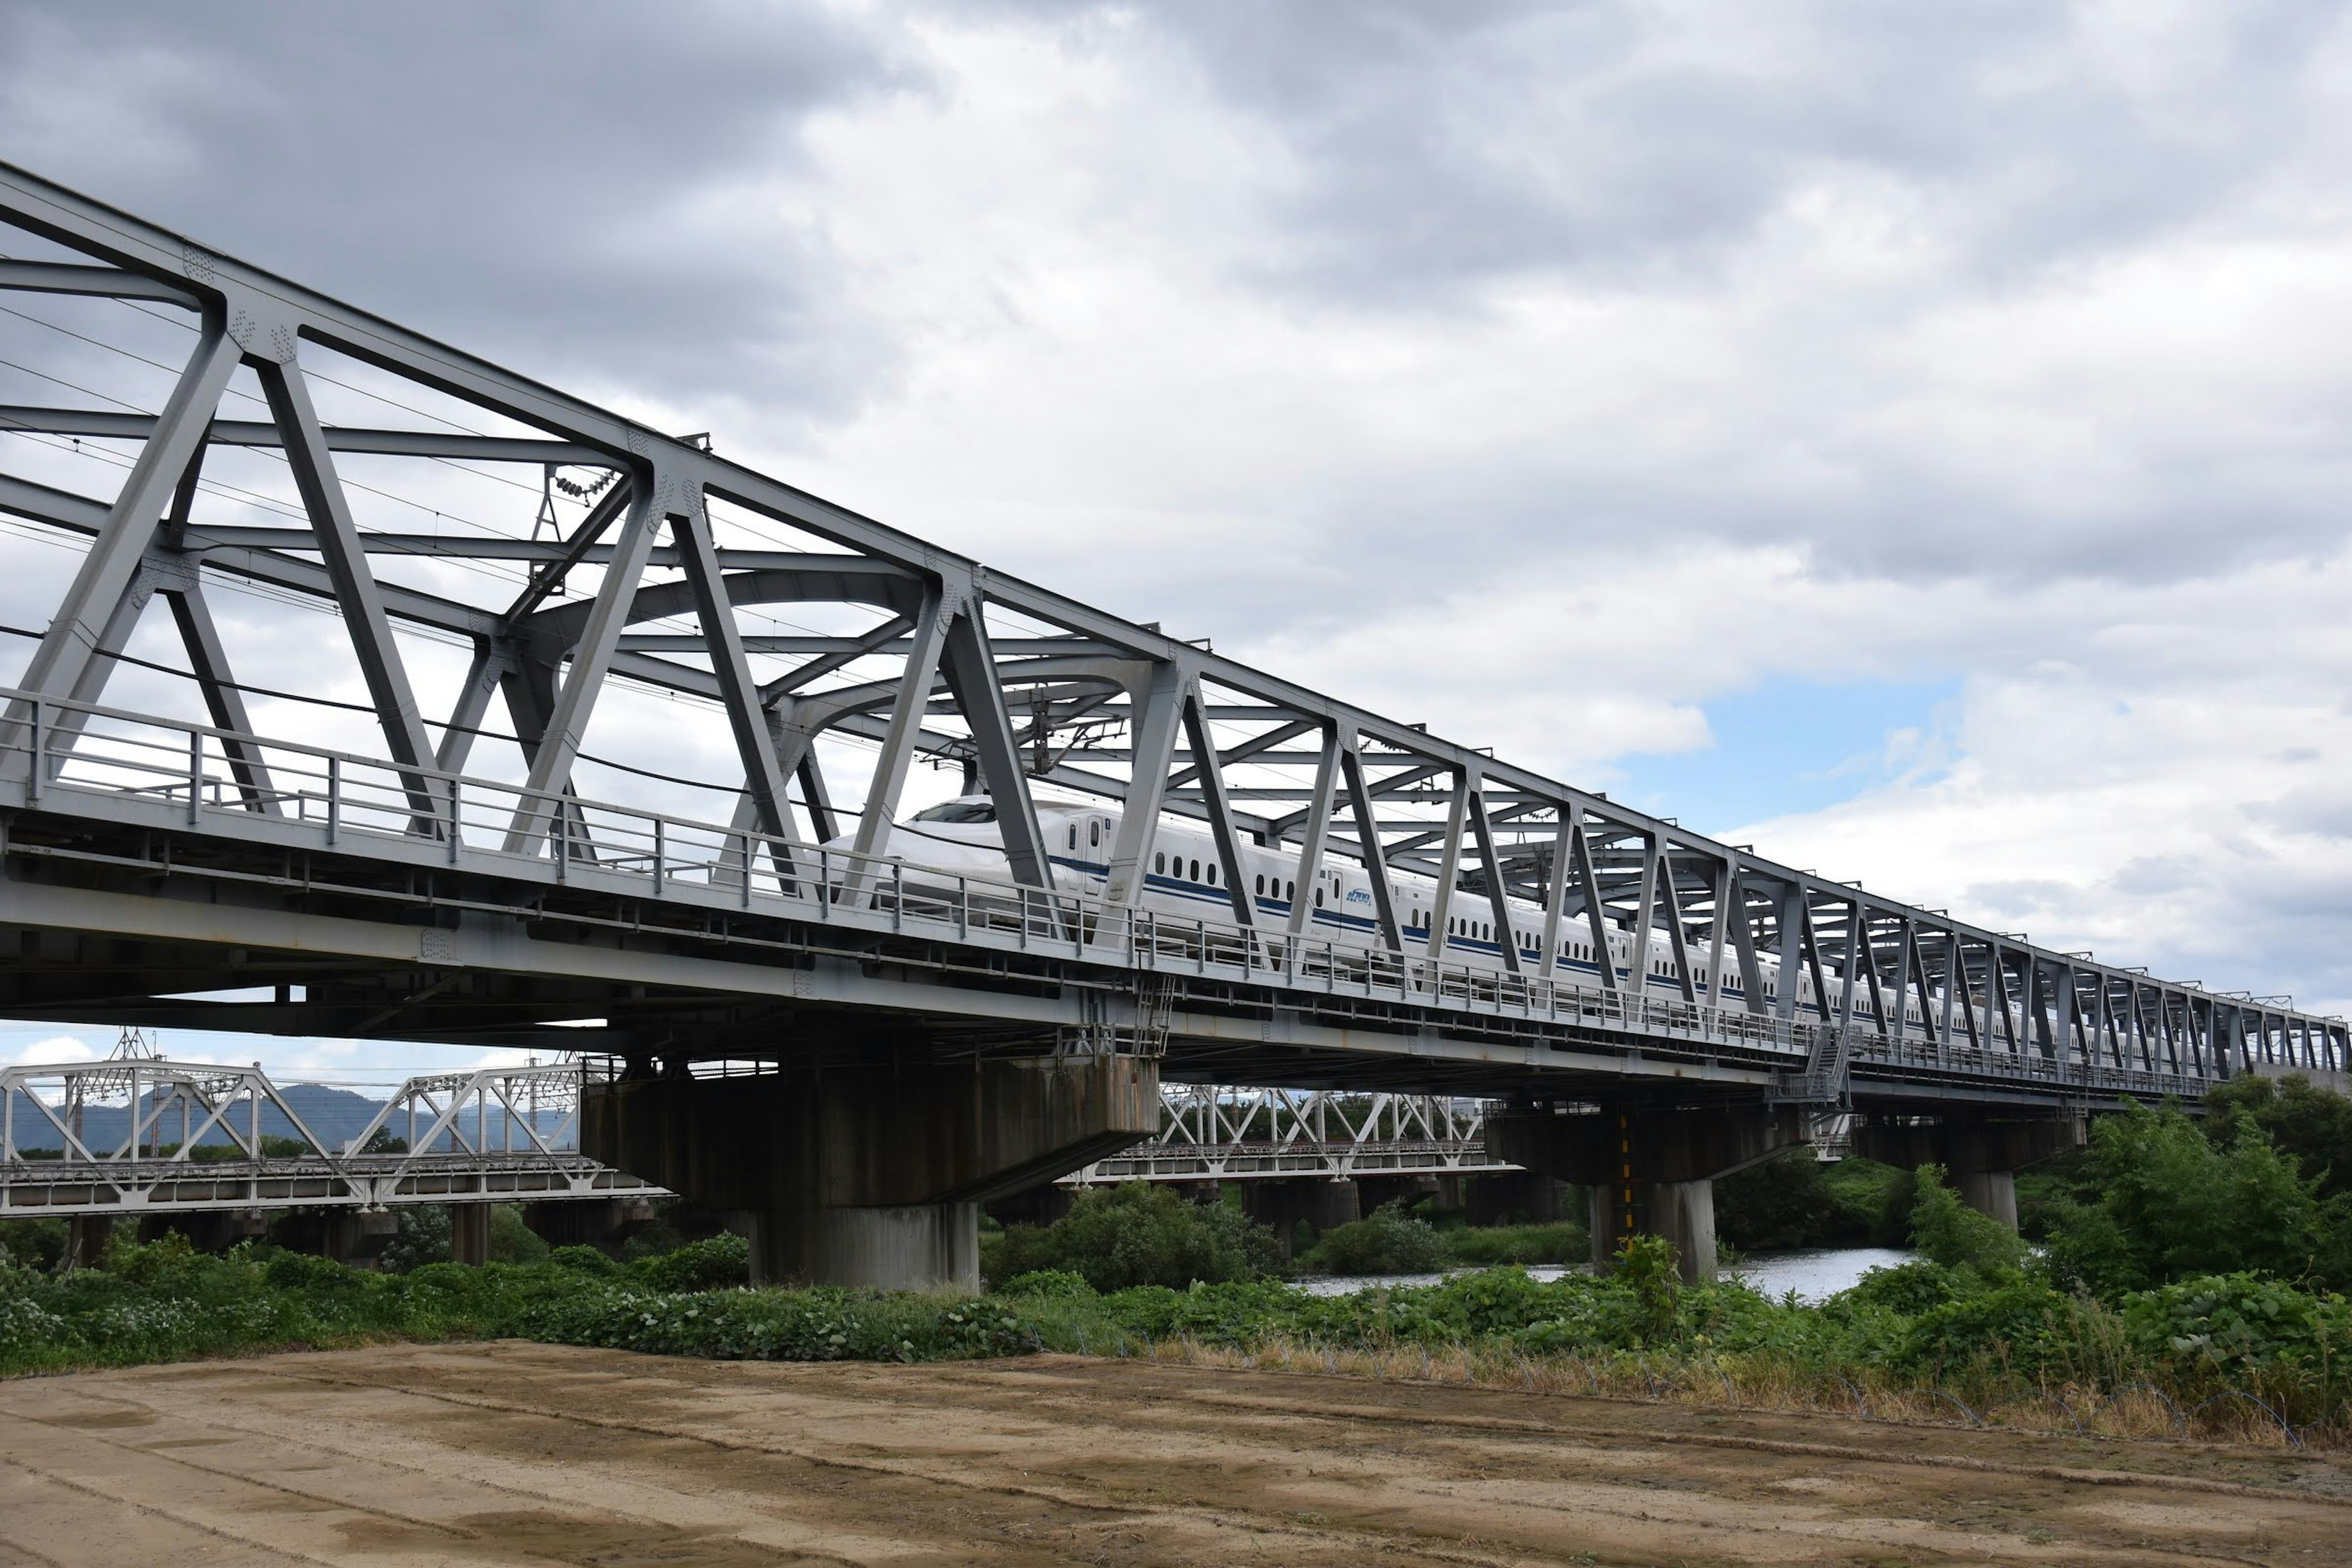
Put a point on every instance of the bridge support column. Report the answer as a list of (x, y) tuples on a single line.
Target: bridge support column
[(469, 1234), (603, 1223), (86, 1238), (1511, 1197), (1652, 1168), (872, 1176), (353, 1237), (1283, 1204), (1982, 1155)]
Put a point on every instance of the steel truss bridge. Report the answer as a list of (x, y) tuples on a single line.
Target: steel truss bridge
[(455, 809), (188, 1137), (1211, 1134), (191, 1141)]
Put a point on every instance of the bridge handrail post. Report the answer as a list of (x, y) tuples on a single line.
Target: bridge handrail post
[(457, 838), (897, 894), (40, 755), (964, 905), (334, 797), (196, 774), (661, 847)]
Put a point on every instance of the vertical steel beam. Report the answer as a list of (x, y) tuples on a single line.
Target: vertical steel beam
[(591, 662), (1743, 942), (345, 559), (1727, 877), (980, 696), (1796, 929), (1556, 889), (1855, 936), (1997, 998), (1156, 711), (106, 572), (1637, 949)]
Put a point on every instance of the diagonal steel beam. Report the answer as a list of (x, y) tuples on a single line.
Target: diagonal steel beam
[(1368, 840), (592, 663), (1220, 812), (345, 559), (1318, 829), (1497, 895), (971, 677), (689, 522), (113, 561), (223, 700), (890, 768)]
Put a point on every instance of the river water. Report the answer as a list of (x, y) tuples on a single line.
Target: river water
[(1815, 1274)]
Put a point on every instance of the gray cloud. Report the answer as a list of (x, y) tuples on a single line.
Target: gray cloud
[(575, 187)]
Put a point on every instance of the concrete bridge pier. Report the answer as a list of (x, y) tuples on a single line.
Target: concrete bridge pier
[(1652, 1168), (1510, 1197), (1982, 1153), (603, 1223), (871, 1175), (207, 1230), (1282, 1205), (469, 1234), (348, 1236), (86, 1239)]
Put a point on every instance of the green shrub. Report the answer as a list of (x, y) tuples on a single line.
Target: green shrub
[(2238, 1325), (1135, 1233), (582, 1259), (1387, 1241), (1049, 1283), (1949, 1232), (715, 1264), (2173, 1205)]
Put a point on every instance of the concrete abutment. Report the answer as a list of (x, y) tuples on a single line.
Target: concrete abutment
[(871, 1175)]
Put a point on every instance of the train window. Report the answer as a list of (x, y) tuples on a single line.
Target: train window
[(1319, 897), (1261, 886), (960, 811), (1212, 873), (1094, 831), (1160, 864), (1074, 835), (1196, 871), (1290, 889)]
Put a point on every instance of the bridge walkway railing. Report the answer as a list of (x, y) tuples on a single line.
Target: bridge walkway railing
[(112, 764)]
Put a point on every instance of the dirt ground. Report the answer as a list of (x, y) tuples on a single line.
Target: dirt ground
[(521, 1453)]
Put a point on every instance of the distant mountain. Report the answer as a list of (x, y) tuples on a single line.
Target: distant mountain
[(335, 1117)]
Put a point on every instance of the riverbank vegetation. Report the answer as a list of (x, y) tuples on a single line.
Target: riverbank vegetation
[(2193, 1273)]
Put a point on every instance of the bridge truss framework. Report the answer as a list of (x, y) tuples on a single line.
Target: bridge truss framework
[(455, 880)]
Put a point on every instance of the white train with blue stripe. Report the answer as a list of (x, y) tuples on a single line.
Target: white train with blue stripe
[(1183, 877)]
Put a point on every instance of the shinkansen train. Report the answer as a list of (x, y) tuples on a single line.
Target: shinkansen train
[(1183, 877)]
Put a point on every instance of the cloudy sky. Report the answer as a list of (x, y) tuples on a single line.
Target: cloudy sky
[(1908, 439)]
